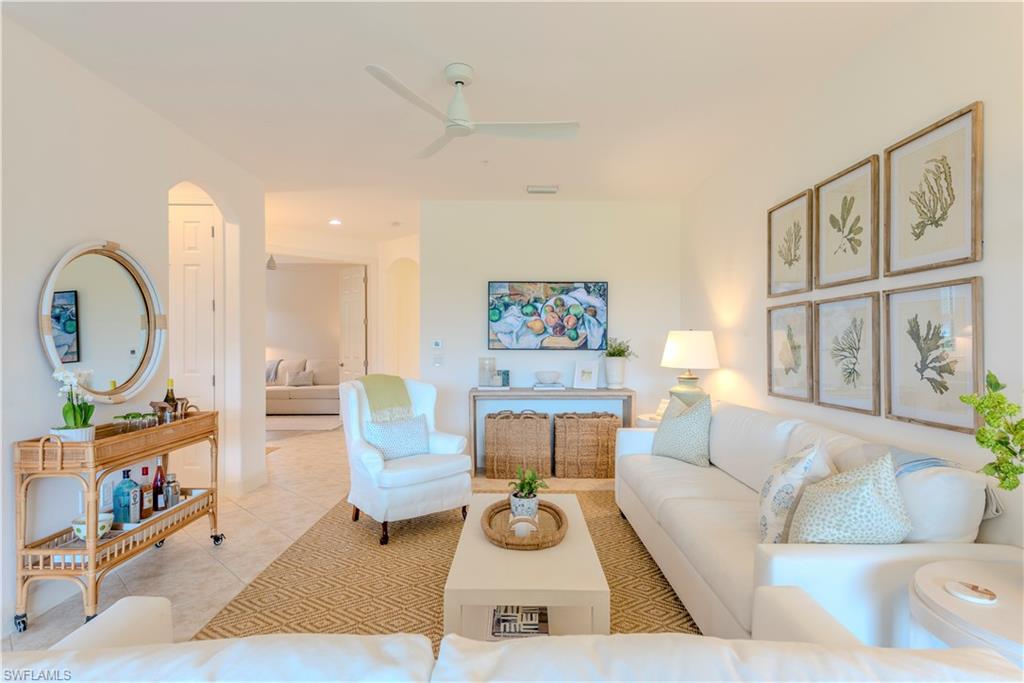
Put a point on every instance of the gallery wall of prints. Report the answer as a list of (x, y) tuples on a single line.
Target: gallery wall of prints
[(905, 352)]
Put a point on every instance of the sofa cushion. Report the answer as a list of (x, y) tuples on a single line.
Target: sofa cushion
[(416, 469), (845, 452), (324, 371), (719, 538), (683, 432), (321, 392), (278, 393), (747, 442), (655, 479), (288, 367)]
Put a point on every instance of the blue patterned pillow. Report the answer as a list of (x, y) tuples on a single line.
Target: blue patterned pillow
[(399, 438), (683, 432), (782, 489)]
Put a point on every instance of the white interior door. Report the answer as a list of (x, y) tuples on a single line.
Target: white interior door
[(191, 330), (352, 353)]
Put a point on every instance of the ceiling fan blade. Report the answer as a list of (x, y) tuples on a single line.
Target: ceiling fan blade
[(434, 147), (403, 91), (541, 130)]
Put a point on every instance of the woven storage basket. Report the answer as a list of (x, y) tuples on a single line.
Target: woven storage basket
[(585, 445), (513, 440)]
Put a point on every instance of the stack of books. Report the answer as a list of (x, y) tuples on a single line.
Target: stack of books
[(555, 386), (511, 621)]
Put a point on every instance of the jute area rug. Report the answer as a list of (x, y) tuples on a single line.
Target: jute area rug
[(337, 578)]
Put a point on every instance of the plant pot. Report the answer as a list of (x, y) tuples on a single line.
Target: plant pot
[(615, 372), (523, 507), (75, 434)]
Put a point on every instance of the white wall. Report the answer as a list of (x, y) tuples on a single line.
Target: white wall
[(634, 246), (303, 311), (915, 75), (82, 160)]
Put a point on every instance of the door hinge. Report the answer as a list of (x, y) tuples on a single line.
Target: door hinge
[(364, 279), (211, 231), (213, 304), (213, 380)]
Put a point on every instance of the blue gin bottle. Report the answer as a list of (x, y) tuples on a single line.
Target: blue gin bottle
[(127, 500)]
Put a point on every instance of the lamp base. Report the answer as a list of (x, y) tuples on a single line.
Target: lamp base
[(688, 390)]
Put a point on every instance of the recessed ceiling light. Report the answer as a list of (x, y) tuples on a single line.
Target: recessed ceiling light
[(334, 221), (395, 224)]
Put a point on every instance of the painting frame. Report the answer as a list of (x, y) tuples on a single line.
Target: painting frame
[(808, 277), (808, 342), (876, 369), (601, 317), (974, 178), (73, 354), (585, 374), (873, 163), (976, 361)]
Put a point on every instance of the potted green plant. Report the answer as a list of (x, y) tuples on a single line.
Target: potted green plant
[(78, 406), (524, 501), (615, 357), (1002, 433)]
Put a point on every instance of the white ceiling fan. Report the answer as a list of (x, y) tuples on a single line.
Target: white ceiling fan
[(457, 121)]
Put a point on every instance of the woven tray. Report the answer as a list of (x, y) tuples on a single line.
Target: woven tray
[(551, 519)]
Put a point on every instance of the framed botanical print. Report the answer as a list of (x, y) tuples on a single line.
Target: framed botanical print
[(846, 226), (789, 246), (790, 361), (847, 367), (934, 339), (933, 183)]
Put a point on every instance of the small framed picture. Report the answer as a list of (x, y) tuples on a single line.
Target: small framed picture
[(934, 339), (586, 375), (846, 226), (790, 361), (933, 182), (789, 246), (847, 369)]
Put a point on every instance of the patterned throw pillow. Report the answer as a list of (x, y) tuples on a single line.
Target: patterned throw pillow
[(300, 379), (683, 432), (399, 438), (783, 487), (862, 505)]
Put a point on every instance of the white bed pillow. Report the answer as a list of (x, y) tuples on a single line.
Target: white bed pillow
[(781, 491)]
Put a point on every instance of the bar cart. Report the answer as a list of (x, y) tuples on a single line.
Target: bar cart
[(62, 555)]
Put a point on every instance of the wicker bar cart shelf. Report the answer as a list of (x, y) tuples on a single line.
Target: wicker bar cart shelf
[(62, 555)]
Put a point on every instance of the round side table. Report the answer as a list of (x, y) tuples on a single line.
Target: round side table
[(959, 623)]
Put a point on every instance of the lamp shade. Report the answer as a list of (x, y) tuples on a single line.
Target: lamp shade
[(691, 350)]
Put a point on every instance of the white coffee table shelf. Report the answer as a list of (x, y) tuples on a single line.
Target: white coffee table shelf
[(567, 578)]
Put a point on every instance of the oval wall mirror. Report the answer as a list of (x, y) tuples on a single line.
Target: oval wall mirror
[(99, 311)]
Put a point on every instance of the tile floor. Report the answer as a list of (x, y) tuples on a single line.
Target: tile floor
[(307, 475)]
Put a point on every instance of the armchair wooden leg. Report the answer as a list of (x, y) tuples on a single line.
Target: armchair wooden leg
[(355, 514), (465, 510), (383, 533), (622, 514)]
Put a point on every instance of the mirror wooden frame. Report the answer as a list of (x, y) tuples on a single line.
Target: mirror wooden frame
[(156, 318)]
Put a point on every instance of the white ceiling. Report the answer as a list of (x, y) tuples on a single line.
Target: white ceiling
[(663, 91)]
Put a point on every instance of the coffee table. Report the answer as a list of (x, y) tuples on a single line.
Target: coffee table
[(567, 578)]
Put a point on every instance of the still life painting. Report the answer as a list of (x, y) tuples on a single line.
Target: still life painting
[(64, 323), (560, 316), (846, 226), (934, 338), (933, 195), (846, 330), (790, 361), (789, 246)]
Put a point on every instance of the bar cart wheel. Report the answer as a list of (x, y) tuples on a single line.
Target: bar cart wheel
[(20, 623), (89, 617), (160, 543), (217, 538)]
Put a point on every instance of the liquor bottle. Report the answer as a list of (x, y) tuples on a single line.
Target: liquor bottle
[(169, 396), (126, 500), (172, 490), (146, 506), (159, 499)]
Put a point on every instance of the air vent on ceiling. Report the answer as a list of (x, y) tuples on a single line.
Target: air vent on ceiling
[(542, 189)]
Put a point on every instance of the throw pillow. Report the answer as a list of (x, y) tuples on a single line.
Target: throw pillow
[(399, 438), (781, 491), (862, 505), (683, 432), (924, 479), (300, 379)]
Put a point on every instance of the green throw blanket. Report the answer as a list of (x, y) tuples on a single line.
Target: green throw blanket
[(388, 398)]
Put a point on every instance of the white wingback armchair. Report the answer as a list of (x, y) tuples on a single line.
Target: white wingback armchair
[(402, 488)]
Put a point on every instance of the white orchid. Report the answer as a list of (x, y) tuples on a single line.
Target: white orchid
[(78, 406)]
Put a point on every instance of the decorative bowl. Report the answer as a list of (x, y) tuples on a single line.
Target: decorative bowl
[(103, 523), (547, 376)]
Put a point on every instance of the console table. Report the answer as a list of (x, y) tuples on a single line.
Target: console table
[(626, 396)]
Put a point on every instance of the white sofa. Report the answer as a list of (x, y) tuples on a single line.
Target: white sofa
[(131, 641), (321, 398), (700, 526)]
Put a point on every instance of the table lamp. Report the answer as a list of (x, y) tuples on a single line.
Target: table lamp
[(689, 350)]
